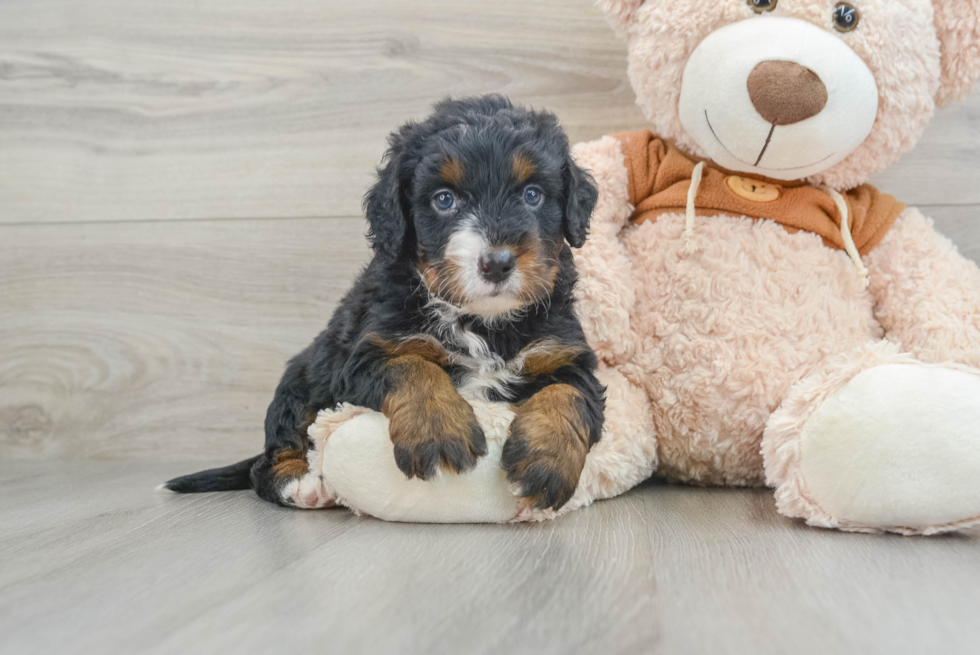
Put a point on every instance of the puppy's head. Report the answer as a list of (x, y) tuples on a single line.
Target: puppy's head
[(480, 198)]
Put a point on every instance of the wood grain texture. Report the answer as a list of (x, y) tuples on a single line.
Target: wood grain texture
[(164, 340), (160, 340), (143, 315), (95, 562), (180, 188), (136, 109)]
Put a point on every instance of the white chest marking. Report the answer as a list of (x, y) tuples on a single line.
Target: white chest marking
[(485, 371)]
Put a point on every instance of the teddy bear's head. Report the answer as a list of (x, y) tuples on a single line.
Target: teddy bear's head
[(824, 90)]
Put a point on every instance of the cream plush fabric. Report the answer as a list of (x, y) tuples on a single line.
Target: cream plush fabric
[(741, 352)]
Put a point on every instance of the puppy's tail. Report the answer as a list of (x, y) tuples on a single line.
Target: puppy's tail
[(227, 478)]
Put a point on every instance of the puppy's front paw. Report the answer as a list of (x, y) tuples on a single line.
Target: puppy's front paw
[(432, 427), (547, 447)]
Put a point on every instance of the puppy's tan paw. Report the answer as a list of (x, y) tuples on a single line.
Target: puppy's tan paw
[(547, 446), (431, 426), (420, 452)]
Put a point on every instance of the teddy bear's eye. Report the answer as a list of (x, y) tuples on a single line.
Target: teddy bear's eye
[(846, 17), (760, 6)]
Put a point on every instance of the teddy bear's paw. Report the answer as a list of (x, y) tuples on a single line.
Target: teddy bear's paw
[(895, 448), (308, 492)]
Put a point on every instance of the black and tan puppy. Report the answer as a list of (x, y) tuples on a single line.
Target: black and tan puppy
[(469, 294)]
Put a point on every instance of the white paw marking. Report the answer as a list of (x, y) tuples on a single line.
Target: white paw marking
[(308, 492)]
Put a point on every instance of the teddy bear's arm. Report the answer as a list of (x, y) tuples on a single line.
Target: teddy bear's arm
[(605, 288), (927, 295)]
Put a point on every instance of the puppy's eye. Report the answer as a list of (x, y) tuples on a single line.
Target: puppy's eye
[(533, 196), (443, 201), (760, 6), (846, 17)]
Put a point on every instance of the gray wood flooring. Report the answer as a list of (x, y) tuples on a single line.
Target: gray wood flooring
[(180, 189), (93, 561)]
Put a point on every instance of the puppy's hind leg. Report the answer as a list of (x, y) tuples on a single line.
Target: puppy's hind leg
[(281, 474), (284, 477)]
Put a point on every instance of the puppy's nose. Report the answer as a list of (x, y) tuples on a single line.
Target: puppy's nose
[(785, 93), (497, 265)]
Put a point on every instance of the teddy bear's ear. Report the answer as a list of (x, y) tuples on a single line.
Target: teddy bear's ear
[(958, 29), (620, 13)]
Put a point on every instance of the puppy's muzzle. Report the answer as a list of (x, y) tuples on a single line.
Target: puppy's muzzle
[(497, 264)]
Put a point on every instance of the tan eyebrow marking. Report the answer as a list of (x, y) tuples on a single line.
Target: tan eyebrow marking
[(452, 171), (523, 167)]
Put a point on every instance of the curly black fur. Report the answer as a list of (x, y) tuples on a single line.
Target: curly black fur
[(467, 147)]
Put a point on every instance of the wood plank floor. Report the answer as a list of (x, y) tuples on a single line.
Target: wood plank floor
[(93, 561), (180, 188)]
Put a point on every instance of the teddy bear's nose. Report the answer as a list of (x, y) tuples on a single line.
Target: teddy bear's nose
[(784, 92)]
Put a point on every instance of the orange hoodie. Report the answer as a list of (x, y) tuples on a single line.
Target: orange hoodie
[(660, 176)]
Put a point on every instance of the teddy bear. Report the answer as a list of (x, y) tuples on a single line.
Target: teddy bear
[(762, 315)]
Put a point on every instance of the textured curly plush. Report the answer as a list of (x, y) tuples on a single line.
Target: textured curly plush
[(738, 348), (741, 342), (920, 53)]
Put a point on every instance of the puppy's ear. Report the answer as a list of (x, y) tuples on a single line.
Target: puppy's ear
[(580, 198), (386, 204)]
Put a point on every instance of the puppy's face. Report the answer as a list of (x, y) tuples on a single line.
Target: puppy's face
[(481, 198), (487, 209)]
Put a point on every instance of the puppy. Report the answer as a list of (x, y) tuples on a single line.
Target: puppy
[(468, 295)]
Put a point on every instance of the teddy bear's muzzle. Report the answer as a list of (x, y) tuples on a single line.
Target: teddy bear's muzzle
[(777, 97)]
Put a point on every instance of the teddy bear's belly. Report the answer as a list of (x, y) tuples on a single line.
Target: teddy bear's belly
[(726, 331)]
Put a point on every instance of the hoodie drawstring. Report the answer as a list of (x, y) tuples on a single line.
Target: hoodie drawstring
[(845, 232), (690, 241)]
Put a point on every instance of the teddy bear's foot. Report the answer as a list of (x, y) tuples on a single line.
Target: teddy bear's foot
[(879, 443)]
